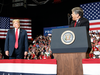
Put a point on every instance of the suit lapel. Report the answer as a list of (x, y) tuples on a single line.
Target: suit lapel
[(20, 33), (13, 34), (73, 24), (78, 23)]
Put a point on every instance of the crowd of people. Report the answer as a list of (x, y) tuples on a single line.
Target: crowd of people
[(95, 43), (40, 48)]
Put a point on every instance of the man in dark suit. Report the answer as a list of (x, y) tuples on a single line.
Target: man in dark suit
[(78, 20), (16, 43)]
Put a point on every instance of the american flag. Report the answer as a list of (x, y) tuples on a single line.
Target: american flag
[(92, 13), (6, 24)]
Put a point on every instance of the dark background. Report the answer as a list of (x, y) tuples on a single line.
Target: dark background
[(47, 15)]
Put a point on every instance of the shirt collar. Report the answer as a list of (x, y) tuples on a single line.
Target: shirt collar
[(77, 20), (18, 28)]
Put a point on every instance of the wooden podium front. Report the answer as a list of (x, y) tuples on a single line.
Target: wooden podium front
[(69, 63), (69, 55)]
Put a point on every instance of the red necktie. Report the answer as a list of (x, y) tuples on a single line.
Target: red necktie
[(16, 37), (75, 24)]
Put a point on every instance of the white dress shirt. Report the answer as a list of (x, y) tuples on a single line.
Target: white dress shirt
[(18, 32)]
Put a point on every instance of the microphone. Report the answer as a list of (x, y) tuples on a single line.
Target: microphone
[(69, 17)]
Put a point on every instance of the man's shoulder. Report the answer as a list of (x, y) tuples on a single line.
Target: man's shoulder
[(10, 29), (22, 30), (84, 19)]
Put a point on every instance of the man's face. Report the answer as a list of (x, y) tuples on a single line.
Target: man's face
[(74, 16), (16, 24)]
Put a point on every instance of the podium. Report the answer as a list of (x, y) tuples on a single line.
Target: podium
[(69, 46)]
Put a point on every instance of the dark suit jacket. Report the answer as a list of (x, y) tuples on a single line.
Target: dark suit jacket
[(22, 42), (81, 22)]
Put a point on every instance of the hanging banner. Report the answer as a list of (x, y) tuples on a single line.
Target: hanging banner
[(28, 67), (48, 30), (91, 66)]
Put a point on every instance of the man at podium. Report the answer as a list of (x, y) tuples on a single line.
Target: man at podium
[(78, 20)]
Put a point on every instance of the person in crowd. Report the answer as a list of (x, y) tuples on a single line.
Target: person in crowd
[(51, 55), (99, 52), (29, 54), (1, 56), (47, 52), (16, 43), (41, 55), (78, 20), (45, 56), (95, 51), (91, 54), (33, 55)]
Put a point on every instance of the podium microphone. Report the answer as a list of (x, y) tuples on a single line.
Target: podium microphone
[(69, 17)]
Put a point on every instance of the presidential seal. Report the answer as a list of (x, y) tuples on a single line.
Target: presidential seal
[(67, 37)]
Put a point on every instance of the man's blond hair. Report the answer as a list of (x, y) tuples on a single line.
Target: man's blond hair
[(16, 20)]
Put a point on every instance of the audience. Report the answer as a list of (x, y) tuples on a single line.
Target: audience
[(40, 48), (95, 43)]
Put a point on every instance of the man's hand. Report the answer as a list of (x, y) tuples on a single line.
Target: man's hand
[(25, 53), (7, 53)]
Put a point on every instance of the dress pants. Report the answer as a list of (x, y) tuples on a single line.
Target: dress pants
[(16, 55)]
